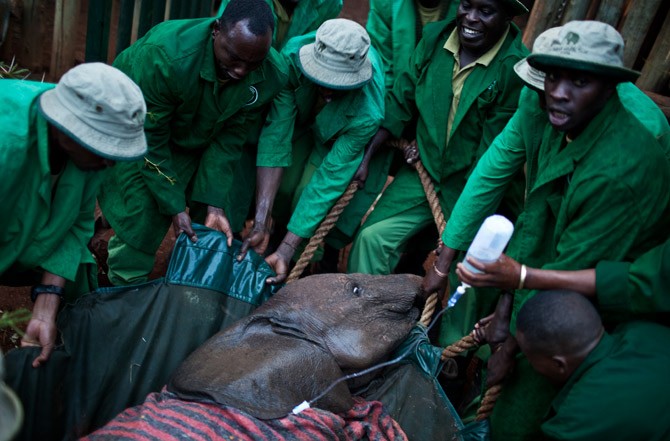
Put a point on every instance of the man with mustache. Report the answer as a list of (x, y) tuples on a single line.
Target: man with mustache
[(595, 175), (461, 87), (206, 83)]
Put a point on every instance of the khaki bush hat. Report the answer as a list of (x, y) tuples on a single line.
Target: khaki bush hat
[(338, 58), (515, 7), (528, 73), (589, 46), (101, 108)]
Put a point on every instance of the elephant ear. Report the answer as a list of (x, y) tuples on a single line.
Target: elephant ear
[(262, 372)]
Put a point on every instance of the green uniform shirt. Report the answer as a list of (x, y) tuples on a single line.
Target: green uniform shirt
[(640, 287), (339, 133), (619, 392), (600, 200), (489, 98), (195, 129), (394, 31), (307, 17), (43, 225)]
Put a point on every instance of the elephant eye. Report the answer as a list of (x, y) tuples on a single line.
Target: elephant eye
[(357, 290)]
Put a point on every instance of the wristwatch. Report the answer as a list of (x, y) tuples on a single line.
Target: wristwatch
[(46, 289)]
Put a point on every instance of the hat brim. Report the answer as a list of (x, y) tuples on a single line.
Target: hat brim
[(515, 7), (11, 418), (329, 78), (120, 147), (544, 61), (529, 74)]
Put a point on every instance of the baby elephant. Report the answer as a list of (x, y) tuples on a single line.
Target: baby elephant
[(312, 332)]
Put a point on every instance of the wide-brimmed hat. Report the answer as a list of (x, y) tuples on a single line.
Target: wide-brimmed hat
[(11, 410), (515, 7), (101, 108), (338, 58), (535, 77), (589, 46)]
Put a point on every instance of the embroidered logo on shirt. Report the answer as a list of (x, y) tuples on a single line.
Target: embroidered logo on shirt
[(254, 96)]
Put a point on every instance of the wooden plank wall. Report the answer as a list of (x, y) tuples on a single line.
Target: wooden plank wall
[(50, 36)]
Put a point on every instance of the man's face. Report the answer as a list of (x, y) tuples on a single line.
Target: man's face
[(238, 51), (574, 98), (480, 24), (329, 95), (83, 158)]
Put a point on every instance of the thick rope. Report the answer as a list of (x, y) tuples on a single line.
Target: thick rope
[(321, 232), (438, 216), (463, 345), (488, 402)]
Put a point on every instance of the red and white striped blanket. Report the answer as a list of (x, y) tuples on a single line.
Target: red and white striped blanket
[(165, 417)]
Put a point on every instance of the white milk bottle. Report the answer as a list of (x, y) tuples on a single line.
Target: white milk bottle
[(490, 241)]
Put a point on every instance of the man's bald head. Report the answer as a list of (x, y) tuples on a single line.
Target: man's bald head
[(556, 330)]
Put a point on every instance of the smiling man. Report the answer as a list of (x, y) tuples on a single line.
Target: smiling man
[(206, 83), (462, 88), (54, 144)]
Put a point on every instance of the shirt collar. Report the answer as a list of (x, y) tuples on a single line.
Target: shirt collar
[(453, 45), (604, 348)]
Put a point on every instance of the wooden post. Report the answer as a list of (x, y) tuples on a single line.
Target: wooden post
[(34, 54), (637, 19), (610, 12), (575, 10), (544, 15), (66, 22), (656, 71)]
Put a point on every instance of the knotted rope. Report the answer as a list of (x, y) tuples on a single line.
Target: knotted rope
[(321, 232), (438, 216), (468, 342)]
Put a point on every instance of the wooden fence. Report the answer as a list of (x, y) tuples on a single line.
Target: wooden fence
[(50, 36)]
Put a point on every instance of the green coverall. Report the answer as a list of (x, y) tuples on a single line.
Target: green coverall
[(327, 148), (48, 218), (620, 392), (195, 130), (597, 198), (640, 287), (394, 29), (307, 17), (489, 98)]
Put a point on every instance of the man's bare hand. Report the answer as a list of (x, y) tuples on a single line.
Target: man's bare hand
[(216, 219), (181, 222)]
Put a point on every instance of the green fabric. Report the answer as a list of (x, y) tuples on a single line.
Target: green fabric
[(334, 141), (382, 239), (392, 28), (42, 227), (195, 129), (595, 199), (119, 344), (489, 97), (641, 287), (518, 143), (307, 17), (127, 264), (620, 392)]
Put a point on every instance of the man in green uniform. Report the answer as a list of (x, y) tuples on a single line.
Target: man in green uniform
[(328, 112), (206, 83), (55, 142), (395, 28), (613, 386), (589, 194), (461, 85), (294, 18)]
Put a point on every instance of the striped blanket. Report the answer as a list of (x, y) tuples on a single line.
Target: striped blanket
[(165, 417)]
